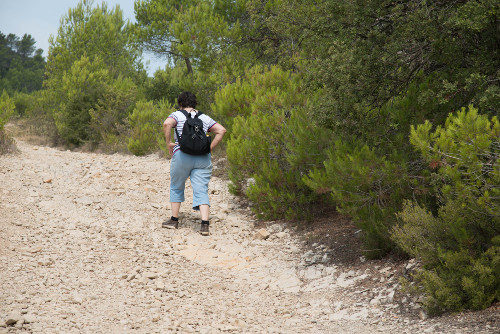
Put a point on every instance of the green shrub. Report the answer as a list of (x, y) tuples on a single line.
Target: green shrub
[(366, 187), (460, 243), (273, 143), (23, 102), (268, 156), (260, 91), (457, 274), (370, 168), (39, 120), (167, 84), (82, 87), (146, 123), (108, 118), (203, 85), (466, 153), (164, 86), (95, 105), (7, 108)]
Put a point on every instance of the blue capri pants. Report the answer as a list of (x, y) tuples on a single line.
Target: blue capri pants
[(198, 168)]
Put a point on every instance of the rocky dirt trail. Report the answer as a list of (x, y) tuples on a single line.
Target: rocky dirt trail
[(82, 251)]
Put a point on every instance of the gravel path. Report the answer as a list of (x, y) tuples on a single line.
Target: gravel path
[(82, 251)]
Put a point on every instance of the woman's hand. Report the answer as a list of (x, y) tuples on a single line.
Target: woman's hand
[(171, 148), (167, 130)]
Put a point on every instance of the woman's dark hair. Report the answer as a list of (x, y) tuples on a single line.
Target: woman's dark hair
[(186, 100)]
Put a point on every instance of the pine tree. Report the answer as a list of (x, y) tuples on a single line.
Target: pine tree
[(91, 66)]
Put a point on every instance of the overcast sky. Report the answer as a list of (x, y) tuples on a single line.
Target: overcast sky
[(40, 19)]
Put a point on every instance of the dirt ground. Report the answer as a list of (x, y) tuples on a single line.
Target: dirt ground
[(82, 251)]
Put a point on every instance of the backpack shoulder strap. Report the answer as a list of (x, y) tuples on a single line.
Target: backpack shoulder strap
[(185, 113)]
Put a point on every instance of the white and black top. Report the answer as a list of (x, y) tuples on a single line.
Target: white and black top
[(179, 117)]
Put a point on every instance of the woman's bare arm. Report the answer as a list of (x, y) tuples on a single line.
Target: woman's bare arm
[(219, 131)]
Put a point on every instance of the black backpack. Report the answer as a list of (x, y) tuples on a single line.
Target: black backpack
[(194, 140)]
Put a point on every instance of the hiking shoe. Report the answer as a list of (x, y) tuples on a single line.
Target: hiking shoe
[(170, 224), (204, 229)]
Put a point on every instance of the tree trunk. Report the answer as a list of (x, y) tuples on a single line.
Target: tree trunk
[(188, 65)]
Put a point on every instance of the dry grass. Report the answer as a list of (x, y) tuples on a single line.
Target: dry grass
[(220, 165), (41, 131), (36, 131), (7, 143)]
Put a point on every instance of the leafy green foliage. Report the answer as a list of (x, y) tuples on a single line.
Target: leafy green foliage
[(456, 276), (165, 85), (23, 102), (38, 123), (91, 85), (194, 32), (94, 105), (260, 91), (263, 165), (467, 152), (109, 116), (146, 122), (272, 144), (460, 244), (365, 186), (81, 88), (169, 83), (7, 108), (382, 67), (21, 67), (365, 55), (369, 174), (94, 32)]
